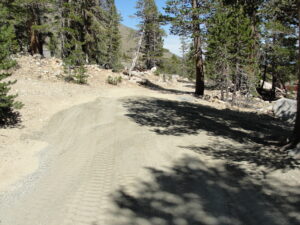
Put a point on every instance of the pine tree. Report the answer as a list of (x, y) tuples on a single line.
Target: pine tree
[(32, 24), (72, 36), (229, 50), (114, 36), (186, 18), (7, 46), (218, 49), (152, 47), (94, 31), (184, 51), (279, 42)]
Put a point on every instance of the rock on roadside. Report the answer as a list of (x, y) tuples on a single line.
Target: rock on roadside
[(285, 109), (295, 153)]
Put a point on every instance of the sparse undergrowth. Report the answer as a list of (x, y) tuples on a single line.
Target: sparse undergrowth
[(114, 80), (75, 75)]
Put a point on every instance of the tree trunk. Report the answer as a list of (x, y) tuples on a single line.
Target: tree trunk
[(264, 73), (296, 134), (36, 40), (274, 84), (137, 53), (227, 81), (198, 51), (236, 84)]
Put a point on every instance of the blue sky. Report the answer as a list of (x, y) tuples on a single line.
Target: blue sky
[(127, 8)]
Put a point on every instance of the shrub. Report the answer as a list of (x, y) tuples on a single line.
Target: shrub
[(114, 80), (80, 76), (74, 74), (117, 68)]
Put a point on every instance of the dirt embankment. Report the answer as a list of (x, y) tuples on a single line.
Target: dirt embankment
[(43, 94)]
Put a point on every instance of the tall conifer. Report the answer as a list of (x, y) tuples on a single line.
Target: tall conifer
[(152, 47), (186, 18), (113, 35), (7, 46)]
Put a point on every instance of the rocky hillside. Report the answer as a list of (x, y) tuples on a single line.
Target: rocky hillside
[(130, 40)]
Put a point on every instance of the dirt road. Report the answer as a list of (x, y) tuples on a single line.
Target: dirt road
[(147, 160)]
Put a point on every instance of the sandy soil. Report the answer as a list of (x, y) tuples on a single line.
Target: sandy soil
[(130, 155)]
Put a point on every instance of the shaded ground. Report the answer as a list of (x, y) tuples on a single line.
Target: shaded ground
[(152, 86), (256, 155), (176, 118), (194, 192), (228, 183), (10, 119)]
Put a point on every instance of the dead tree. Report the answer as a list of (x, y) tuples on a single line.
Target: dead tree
[(136, 56)]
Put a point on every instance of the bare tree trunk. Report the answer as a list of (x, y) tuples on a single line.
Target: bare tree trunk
[(297, 124), (223, 82), (223, 86), (198, 51), (137, 53), (227, 82), (264, 76), (274, 84), (236, 83)]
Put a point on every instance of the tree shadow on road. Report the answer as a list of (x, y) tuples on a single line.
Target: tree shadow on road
[(10, 118), (167, 117), (148, 84), (255, 155), (193, 192)]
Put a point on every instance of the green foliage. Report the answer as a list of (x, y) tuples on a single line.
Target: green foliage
[(279, 41), (180, 14), (80, 76), (32, 23), (117, 68), (113, 36), (229, 42), (7, 45), (187, 19), (152, 45), (90, 33), (170, 65), (114, 80)]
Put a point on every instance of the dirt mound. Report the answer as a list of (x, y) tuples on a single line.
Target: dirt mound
[(52, 69)]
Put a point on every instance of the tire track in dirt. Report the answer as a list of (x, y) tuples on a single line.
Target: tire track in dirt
[(93, 150)]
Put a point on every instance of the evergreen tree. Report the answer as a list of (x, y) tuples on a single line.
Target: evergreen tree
[(184, 51), (152, 47), (186, 18), (31, 23), (94, 31), (72, 38), (93, 25), (279, 42), (229, 50), (114, 36), (7, 46), (218, 65)]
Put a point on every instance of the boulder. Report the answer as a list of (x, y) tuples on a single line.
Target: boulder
[(37, 56), (267, 85), (136, 73), (175, 78), (153, 69), (295, 153), (285, 109)]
